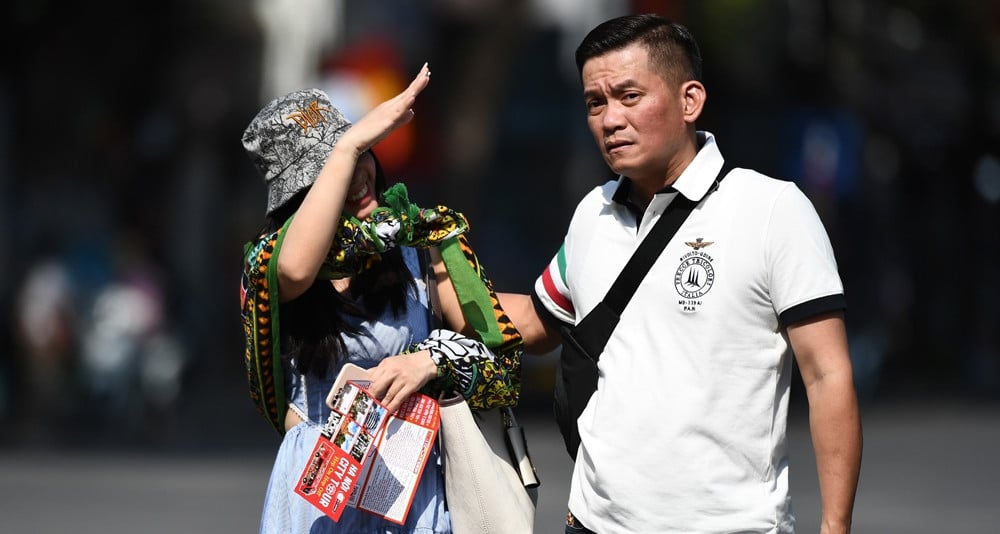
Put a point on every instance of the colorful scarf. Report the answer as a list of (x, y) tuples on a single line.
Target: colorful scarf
[(357, 245)]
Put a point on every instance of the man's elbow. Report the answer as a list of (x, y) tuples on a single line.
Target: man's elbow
[(543, 342), (538, 337)]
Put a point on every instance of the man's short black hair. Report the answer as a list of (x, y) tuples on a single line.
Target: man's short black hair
[(670, 45)]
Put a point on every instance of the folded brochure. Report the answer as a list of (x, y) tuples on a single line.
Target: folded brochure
[(366, 457)]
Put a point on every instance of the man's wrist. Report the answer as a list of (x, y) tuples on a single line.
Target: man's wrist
[(835, 527)]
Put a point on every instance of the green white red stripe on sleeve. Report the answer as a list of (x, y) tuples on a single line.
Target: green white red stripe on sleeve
[(552, 291)]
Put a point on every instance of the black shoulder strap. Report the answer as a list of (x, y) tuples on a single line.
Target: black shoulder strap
[(652, 246)]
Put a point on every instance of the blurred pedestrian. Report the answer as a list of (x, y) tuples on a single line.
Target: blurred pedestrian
[(46, 345), (686, 431)]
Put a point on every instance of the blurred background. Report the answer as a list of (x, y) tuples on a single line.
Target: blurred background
[(126, 197)]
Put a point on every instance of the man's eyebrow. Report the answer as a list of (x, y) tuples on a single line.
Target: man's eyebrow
[(621, 86), (617, 87)]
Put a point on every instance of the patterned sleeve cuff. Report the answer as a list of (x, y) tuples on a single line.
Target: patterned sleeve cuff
[(466, 366), (445, 344)]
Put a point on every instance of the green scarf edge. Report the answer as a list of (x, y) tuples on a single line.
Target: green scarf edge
[(277, 371), (473, 295)]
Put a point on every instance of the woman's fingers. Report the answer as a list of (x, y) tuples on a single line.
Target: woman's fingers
[(402, 104), (394, 399), (419, 82), (378, 123), (391, 392)]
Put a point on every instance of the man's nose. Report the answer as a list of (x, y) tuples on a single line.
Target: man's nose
[(614, 117)]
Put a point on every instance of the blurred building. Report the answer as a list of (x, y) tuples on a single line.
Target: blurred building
[(120, 127)]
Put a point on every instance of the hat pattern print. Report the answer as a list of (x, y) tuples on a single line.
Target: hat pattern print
[(290, 139)]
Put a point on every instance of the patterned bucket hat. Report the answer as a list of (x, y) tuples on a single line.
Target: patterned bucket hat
[(290, 139)]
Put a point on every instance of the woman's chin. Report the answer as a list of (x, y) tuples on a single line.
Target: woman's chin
[(362, 209)]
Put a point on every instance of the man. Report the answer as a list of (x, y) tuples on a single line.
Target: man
[(686, 431)]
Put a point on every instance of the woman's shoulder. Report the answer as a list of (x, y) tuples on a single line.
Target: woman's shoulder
[(257, 253)]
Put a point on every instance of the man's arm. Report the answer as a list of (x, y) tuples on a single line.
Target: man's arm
[(820, 346), (539, 336)]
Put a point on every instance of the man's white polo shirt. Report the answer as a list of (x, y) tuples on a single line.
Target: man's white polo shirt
[(686, 432)]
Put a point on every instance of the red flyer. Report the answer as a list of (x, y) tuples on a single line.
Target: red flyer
[(329, 479), (365, 457)]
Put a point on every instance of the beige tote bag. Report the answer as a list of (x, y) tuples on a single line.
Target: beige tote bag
[(490, 483)]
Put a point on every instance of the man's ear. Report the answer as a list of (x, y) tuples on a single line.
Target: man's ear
[(693, 95)]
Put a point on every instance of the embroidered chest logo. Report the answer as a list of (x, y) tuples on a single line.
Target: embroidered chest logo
[(694, 276), (309, 116)]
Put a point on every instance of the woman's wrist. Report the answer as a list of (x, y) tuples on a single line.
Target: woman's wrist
[(346, 147), (429, 367)]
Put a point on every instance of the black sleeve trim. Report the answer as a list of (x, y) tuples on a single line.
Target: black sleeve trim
[(544, 314), (812, 308)]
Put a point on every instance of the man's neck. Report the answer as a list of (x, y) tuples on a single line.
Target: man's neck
[(641, 193), (644, 189)]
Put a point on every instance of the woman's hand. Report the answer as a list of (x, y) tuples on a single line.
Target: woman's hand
[(310, 235), (378, 123), (396, 377)]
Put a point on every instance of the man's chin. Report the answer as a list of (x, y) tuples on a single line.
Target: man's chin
[(619, 170), (617, 165)]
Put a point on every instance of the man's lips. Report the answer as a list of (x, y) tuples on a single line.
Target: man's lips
[(612, 146)]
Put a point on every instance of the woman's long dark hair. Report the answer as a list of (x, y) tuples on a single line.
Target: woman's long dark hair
[(311, 325)]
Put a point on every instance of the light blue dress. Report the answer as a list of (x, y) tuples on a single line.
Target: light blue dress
[(284, 510)]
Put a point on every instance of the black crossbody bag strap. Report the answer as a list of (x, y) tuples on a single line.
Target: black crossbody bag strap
[(607, 313), (576, 373)]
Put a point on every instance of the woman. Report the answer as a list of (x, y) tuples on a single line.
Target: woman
[(358, 281)]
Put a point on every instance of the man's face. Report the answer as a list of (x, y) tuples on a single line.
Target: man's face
[(634, 114)]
